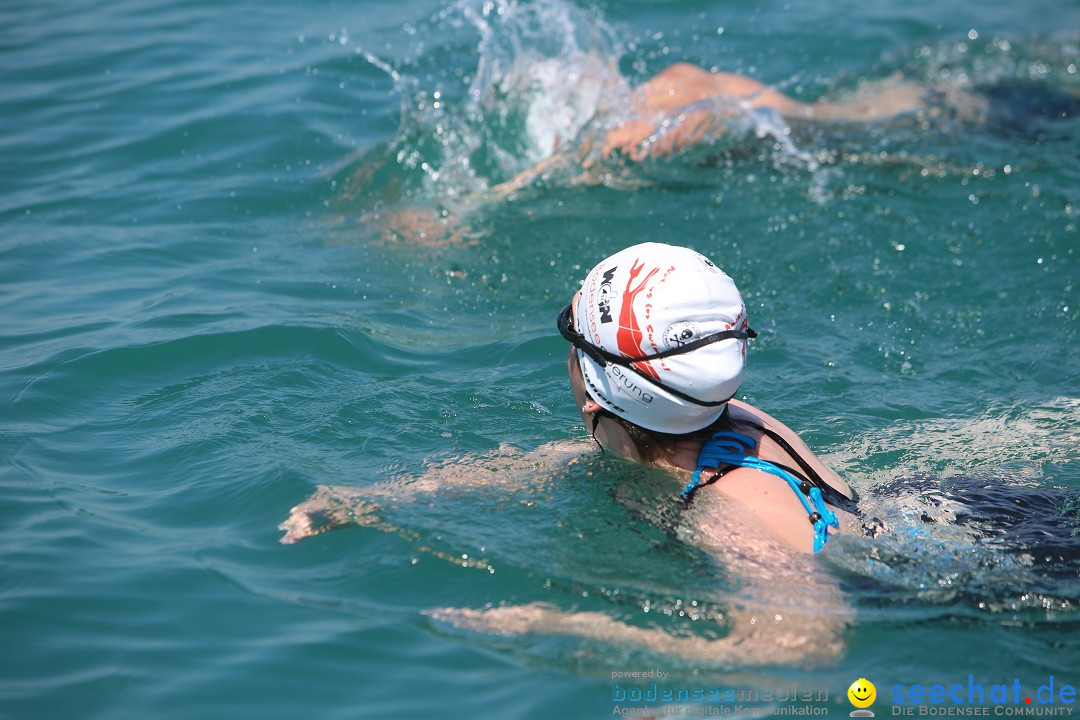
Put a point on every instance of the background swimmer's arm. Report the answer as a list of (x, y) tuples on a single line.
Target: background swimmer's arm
[(666, 119), (667, 112), (669, 94), (682, 84), (334, 506), (674, 110), (872, 102), (528, 177)]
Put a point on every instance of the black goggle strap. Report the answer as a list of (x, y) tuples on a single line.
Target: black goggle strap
[(687, 398), (603, 357), (693, 345), (595, 424)]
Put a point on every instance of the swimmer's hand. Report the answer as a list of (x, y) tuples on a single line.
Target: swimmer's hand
[(332, 507), (327, 509)]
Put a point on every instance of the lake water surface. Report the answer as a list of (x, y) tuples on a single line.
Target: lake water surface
[(251, 248)]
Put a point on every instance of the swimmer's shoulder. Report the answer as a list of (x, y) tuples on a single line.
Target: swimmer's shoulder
[(770, 450)]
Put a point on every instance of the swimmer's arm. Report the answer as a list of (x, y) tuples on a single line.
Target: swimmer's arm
[(683, 84), (334, 506), (666, 100), (670, 116), (527, 177), (676, 109), (753, 640), (788, 611), (671, 110)]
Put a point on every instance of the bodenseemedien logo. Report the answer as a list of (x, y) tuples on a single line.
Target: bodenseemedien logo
[(862, 694)]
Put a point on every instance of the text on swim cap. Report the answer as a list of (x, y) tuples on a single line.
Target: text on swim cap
[(629, 385), (603, 302)]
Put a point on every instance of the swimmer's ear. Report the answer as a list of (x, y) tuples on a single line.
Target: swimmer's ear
[(591, 406)]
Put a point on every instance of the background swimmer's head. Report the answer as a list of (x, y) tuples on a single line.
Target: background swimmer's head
[(656, 298)]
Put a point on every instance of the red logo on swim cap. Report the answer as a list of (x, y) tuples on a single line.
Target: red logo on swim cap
[(629, 335)]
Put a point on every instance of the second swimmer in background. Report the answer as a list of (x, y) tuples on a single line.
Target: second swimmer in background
[(685, 105)]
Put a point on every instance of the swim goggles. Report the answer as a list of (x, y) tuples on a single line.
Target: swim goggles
[(602, 357)]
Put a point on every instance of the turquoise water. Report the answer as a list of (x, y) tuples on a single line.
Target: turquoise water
[(209, 307)]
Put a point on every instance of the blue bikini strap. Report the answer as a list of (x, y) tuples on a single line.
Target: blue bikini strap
[(731, 448)]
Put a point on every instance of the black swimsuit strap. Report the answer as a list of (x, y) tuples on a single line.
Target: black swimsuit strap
[(831, 494), (799, 459)]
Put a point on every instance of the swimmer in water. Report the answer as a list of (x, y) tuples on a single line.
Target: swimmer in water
[(674, 109), (658, 339), (680, 107), (685, 105)]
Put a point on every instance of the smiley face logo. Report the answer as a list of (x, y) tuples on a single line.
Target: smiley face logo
[(862, 694)]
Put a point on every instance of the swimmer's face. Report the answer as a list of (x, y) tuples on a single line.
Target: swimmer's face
[(862, 693), (607, 432), (573, 369), (577, 382)]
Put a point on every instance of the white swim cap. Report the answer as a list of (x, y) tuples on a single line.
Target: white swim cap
[(675, 307)]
